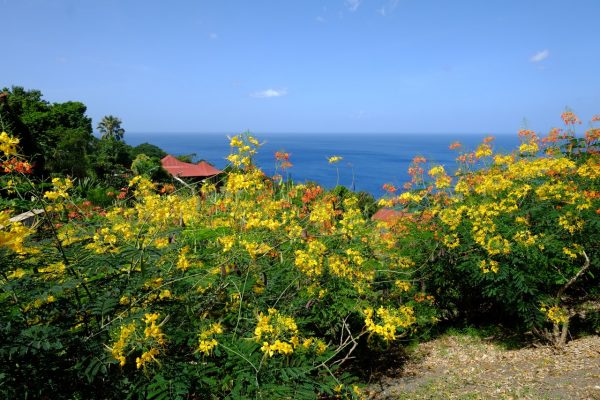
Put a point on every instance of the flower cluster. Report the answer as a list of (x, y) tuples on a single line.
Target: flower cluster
[(60, 189), (8, 144), (272, 328), (243, 148), (555, 314), (207, 341), (334, 159), (390, 321), (12, 234)]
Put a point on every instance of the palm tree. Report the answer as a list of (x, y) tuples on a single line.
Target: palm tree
[(110, 127)]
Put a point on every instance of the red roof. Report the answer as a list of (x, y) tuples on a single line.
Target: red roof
[(388, 215), (183, 169)]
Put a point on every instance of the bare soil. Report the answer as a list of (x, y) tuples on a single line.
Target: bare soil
[(468, 367)]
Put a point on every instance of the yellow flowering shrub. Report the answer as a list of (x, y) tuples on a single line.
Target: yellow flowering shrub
[(251, 277), (515, 233), (256, 287)]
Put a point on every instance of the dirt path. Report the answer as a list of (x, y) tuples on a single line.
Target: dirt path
[(466, 367)]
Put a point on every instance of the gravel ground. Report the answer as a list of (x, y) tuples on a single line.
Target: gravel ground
[(467, 367)]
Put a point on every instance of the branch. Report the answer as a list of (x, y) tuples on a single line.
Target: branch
[(586, 265)]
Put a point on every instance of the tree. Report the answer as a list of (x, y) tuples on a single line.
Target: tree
[(144, 165), (188, 158), (150, 167), (57, 137), (110, 127), (148, 149), (111, 161)]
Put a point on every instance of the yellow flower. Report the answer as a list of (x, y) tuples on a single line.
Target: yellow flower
[(484, 150), (60, 188), (310, 261), (500, 159), (573, 252), (557, 315), (438, 170), (489, 266), (8, 144), (277, 347), (14, 237), (529, 148), (17, 274), (206, 346), (570, 222), (403, 285), (146, 357), (334, 159), (182, 261), (390, 321)]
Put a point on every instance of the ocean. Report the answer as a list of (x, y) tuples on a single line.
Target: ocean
[(369, 160)]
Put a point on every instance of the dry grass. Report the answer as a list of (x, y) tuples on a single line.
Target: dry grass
[(468, 367)]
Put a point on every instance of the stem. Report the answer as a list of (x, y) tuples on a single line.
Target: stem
[(586, 265), (244, 358)]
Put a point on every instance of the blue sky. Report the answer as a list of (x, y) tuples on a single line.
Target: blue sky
[(310, 65)]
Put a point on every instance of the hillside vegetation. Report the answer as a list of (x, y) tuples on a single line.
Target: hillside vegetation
[(262, 288)]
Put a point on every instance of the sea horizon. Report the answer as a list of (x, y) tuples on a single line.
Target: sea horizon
[(368, 160)]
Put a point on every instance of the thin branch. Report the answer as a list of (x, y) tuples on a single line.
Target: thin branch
[(586, 265)]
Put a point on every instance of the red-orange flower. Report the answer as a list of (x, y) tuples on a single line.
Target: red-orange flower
[(14, 165), (284, 159), (282, 156), (389, 188), (570, 118), (592, 135), (454, 146), (311, 193), (553, 136), (527, 134)]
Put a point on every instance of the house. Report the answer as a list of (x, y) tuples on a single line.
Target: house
[(389, 215), (180, 169)]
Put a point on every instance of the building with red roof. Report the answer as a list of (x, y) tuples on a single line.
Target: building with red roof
[(389, 215), (182, 169)]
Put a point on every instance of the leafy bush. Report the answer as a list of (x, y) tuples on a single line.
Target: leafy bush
[(265, 288), (516, 235), (260, 290)]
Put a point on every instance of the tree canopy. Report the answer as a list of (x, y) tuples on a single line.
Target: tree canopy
[(110, 128), (57, 136)]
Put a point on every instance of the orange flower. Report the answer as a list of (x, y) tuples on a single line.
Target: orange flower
[(389, 188), (553, 136), (282, 156), (570, 118), (454, 146), (592, 135), (311, 193), (13, 164)]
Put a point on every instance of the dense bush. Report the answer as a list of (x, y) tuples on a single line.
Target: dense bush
[(264, 288), (512, 236), (261, 290)]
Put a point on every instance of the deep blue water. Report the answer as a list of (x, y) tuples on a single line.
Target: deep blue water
[(369, 160)]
